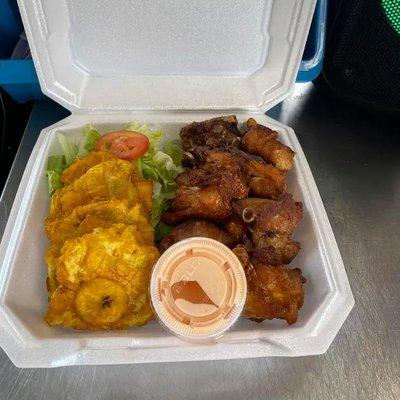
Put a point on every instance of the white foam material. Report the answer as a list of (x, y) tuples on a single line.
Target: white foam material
[(28, 340), (98, 55), (101, 59)]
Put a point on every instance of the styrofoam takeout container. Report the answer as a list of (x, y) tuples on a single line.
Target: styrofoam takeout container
[(165, 63)]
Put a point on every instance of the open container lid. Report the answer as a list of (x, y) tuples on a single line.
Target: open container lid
[(107, 55)]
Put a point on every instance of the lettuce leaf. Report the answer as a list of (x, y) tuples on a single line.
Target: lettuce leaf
[(174, 150), (160, 205), (56, 164), (89, 140), (161, 164), (155, 137), (162, 230), (69, 149)]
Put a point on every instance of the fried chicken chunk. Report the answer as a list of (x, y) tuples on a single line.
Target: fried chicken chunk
[(263, 142), (235, 227), (274, 248), (195, 229), (205, 195), (280, 217), (221, 131), (264, 180), (273, 291), (272, 224), (103, 280)]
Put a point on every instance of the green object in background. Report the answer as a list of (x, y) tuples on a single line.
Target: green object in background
[(392, 11)]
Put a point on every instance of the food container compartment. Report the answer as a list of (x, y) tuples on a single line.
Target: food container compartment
[(197, 56), (28, 340)]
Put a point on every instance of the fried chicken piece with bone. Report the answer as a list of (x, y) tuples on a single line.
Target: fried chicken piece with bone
[(263, 142), (195, 229), (216, 132), (205, 195), (274, 248), (264, 180), (272, 223), (281, 216), (273, 291), (236, 228)]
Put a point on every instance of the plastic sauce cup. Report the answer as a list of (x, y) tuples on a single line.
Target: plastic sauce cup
[(198, 289)]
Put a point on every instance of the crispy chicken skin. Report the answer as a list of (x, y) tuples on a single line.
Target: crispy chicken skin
[(225, 179), (235, 227), (272, 224), (273, 291), (195, 229), (221, 131), (193, 202), (262, 141), (274, 248), (272, 216), (277, 293), (205, 195), (264, 180), (271, 186), (243, 256)]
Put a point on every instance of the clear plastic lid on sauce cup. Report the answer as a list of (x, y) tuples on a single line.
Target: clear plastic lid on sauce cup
[(198, 289)]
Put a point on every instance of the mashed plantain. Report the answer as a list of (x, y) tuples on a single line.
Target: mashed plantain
[(101, 246)]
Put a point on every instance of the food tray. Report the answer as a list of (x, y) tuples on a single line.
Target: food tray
[(29, 342), (196, 56)]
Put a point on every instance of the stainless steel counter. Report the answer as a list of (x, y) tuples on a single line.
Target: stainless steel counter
[(355, 158)]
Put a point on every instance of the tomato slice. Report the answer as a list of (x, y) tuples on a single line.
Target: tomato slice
[(125, 145)]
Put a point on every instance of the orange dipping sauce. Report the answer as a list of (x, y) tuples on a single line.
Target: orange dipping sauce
[(198, 289)]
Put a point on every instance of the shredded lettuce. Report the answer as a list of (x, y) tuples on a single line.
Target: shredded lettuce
[(69, 149), (162, 230), (155, 136), (161, 164), (174, 150), (89, 140), (57, 164)]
